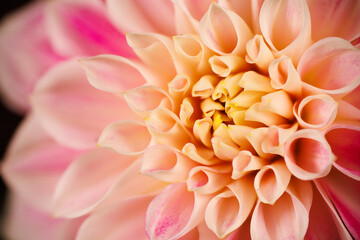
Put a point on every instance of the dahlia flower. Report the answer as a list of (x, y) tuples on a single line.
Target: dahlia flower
[(233, 120)]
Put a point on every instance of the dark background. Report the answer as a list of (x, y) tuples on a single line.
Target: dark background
[(8, 120)]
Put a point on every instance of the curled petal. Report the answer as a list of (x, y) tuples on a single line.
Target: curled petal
[(174, 212), (333, 60), (224, 148), (188, 114), (284, 76), (228, 210), (258, 53), (179, 87), (223, 31), (316, 111), (286, 26), (204, 88), (278, 102), (256, 138), (166, 163), (257, 114), (227, 88), (199, 154), (308, 155), (238, 135), (246, 162), (276, 137), (202, 131), (224, 65), (142, 15), (345, 143), (246, 99), (271, 181), (207, 180), (253, 81), (125, 137)]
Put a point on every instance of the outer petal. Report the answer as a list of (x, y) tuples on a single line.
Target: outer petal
[(124, 220), (335, 19), (286, 26), (333, 60), (34, 164), (344, 199), (143, 15), (67, 106), (87, 180), (25, 222), (81, 28), (23, 65), (345, 143)]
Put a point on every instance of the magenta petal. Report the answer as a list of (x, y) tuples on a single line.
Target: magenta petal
[(344, 195)]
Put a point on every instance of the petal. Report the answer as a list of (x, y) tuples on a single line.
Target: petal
[(258, 53), (200, 154), (34, 164), (23, 65), (142, 15), (72, 122), (125, 137), (87, 180), (333, 60), (345, 143), (286, 26), (246, 162), (334, 19), (308, 155), (81, 28), (344, 199), (223, 31), (124, 220), (174, 212)]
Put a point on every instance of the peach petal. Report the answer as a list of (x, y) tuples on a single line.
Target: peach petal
[(286, 26), (258, 53), (187, 114), (166, 128), (86, 181), (227, 88), (184, 22), (271, 181), (345, 143), (292, 219), (209, 106), (156, 51), (224, 65), (347, 111), (316, 111), (204, 88), (192, 52), (174, 212), (256, 138), (142, 16), (71, 122), (207, 180), (238, 135), (31, 152), (246, 99), (145, 99), (179, 87), (284, 76), (276, 137), (308, 155), (224, 148), (127, 221), (253, 81), (344, 200), (333, 60), (223, 31), (199, 154), (112, 73), (246, 162), (257, 114), (196, 8), (125, 137), (353, 97), (79, 29), (228, 210), (278, 102), (202, 131), (166, 163), (334, 19)]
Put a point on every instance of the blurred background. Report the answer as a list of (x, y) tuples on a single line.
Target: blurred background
[(8, 120)]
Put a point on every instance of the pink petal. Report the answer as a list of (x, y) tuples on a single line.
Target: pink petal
[(286, 26), (142, 15), (34, 164), (308, 155), (81, 28), (23, 65), (62, 101), (345, 143), (345, 199), (25, 222), (334, 19), (125, 137), (291, 218), (333, 60), (124, 220), (87, 180), (174, 212)]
